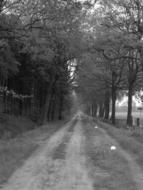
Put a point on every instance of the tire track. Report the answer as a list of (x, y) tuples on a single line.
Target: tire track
[(31, 175), (60, 151), (74, 173)]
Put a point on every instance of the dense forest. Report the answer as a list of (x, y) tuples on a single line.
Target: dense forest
[(48, 48), (38, 42)]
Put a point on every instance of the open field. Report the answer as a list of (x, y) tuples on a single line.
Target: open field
[(121, 112), (123, 115)]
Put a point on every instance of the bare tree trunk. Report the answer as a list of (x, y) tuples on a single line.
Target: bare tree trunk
[(50, 110), (53, 110), (101, 109), (33, 97), (107, 104), (47, 104), (5, 102), (20, 107), (61, 107), (141, 56), (92, 107), (48, 99), (94, 110), (129, 115), (113, 116)]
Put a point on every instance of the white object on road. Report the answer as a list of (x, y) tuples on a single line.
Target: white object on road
[(96, 127), (113, 148)]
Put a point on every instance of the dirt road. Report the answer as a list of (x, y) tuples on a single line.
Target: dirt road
[(78, 157)]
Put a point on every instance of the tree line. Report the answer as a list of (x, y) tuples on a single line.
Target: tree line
[(38, 41), (113, 62)]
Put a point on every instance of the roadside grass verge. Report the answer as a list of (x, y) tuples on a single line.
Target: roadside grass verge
[(109, 170), (129, 140), (137, 134), (134, 131), (13, 152), (11, 126)]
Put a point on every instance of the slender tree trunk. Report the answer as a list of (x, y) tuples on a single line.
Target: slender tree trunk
[(101, 110), (5, 102), (95, 110), (141, 55), (47, 104), (48, 99), (49, 110), (20, 107), (88, 110), (113, 115), (53, 110), (129, 115), (107, 104), (32, 109), (92, 110), (61, 107), (11, 104)]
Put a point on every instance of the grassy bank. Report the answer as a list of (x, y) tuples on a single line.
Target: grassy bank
[(11, 126), (129, 140), (109, 170), (13, 152)]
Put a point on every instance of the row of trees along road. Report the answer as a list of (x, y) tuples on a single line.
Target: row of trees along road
[(38, 41), (113, 61)]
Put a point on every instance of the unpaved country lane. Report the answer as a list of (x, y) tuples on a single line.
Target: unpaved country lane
[(78, 157), (27, 176), (60, 164), (74, 174)]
